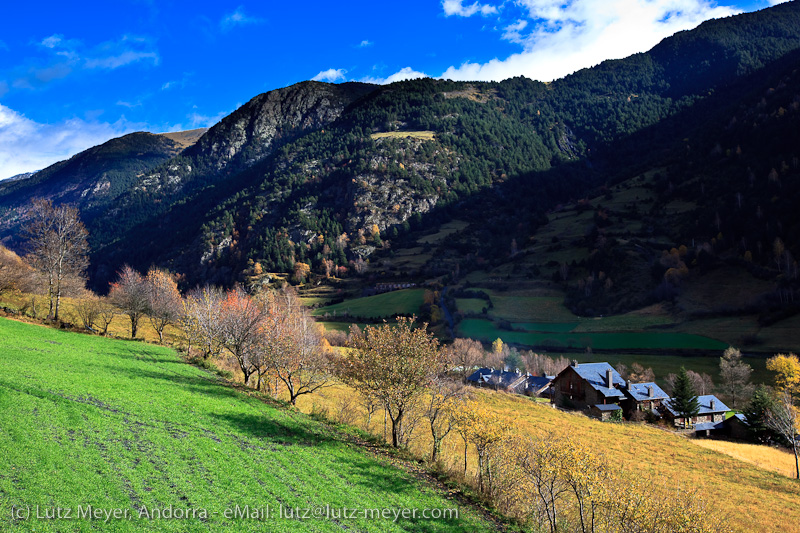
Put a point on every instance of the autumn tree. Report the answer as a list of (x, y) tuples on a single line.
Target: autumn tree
[(444, 399), (164, 304), (784, 419), (130, 294), (394, 363), (293, 345), (735, 375), (202, 319), (464, 356), (241, 321), (787, 368), (485, 430), (15, 274), (59, 247)]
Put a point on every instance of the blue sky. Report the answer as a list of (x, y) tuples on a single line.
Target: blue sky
[(73, 76)]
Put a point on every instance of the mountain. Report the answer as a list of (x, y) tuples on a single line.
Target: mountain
[(92, 179), (330, 175), (22, 176)]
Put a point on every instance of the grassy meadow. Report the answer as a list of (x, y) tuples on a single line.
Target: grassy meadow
[(386, 305), (86, 420)]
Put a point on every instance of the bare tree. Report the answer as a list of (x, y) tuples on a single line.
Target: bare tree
[(87, 310), (241, 321), (59, 247), (541, 364), (163, 300), (463, 356), (701, 383), (293, 346), (129, 293), (784, 420), (445, 396), (735, 375), (202, 319), (106, 313)]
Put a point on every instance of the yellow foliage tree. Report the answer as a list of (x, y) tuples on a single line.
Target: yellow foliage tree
[(787, 367), (394, 364), (485, 430)]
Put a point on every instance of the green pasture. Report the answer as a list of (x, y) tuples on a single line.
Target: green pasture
[(126, 425), (389, 304), (487, 331), (470, 305)]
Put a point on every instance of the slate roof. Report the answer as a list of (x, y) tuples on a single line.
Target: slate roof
[(705, 426), (705, 405), (537, 383), (595, 375), (494, 377), (607, 407), (640, 393)]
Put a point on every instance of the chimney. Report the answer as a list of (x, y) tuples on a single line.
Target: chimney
[(650, 391), (516, 371), (713, 405), (610, 378), (628, 385), (574, 363)]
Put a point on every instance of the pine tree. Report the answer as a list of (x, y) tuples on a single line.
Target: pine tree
[(684, 401), (756, 413)]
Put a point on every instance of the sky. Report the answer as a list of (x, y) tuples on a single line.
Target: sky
[(75, 74)]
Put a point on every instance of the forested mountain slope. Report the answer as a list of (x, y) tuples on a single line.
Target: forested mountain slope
[(327, 175)]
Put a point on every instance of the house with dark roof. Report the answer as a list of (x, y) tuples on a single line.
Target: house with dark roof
[(582, 385), (515, 382), (642, 398), (712, 412), (605, 412)]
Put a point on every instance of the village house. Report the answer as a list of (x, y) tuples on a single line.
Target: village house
[(642, 398), (515, 382), (712, 412), (583, 385)]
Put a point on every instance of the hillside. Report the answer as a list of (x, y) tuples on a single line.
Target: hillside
[(92, 179), (127, 425), (750, 498), (501, 151)]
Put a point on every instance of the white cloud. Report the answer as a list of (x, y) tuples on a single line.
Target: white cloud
[(776, 2), (406, 73), (566, 37), (331, 75), (52, 41), (456, 7), (237, 18), (119, 60), (198, 120), (513, 32), (26, 145), (364, 44)]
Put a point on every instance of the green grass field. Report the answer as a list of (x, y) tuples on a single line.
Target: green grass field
[(124, 425), (486, 330), (388, 304)]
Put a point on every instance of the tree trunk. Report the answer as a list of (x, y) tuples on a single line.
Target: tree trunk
[(466, 448), (796, 461), (160, 335), (134, 324), (396, 428)]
